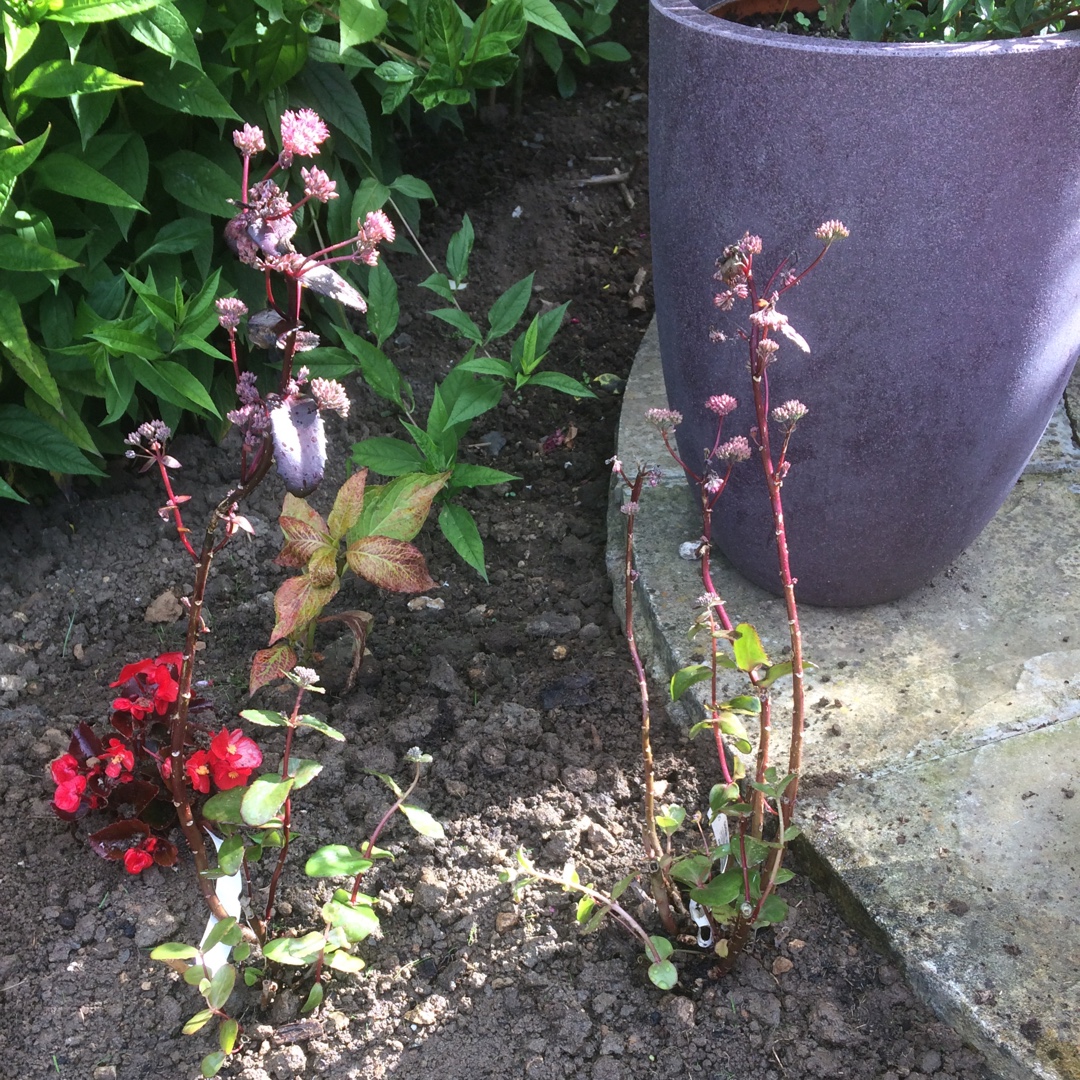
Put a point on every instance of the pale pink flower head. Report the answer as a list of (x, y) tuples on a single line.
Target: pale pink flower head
[(725, 300), (330, 394), (790, 413), (750, 245), (721, 404), (375, 229), (249, 140), (737, 449), (317, 185), (664, 419), (231, 310), (301, 133), (831, 230)]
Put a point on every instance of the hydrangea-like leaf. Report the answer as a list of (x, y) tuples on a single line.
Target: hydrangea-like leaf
[(348, 505), (394, 565), (298, 601), (269, 665)]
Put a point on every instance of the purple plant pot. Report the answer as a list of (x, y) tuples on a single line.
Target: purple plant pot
[(942, 332)]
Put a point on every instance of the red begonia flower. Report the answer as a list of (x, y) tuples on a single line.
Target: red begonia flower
[(68, 794), (137, 859), (197, 768), (119, 760), (227, 776), (65, 768), (235, 749)]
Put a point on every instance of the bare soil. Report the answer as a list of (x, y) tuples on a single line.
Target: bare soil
[(521, 689)]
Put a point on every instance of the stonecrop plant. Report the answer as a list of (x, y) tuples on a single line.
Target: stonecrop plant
[(166, 761), (726, 881)]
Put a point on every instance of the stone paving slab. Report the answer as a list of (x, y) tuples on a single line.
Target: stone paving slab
[(941, 792)]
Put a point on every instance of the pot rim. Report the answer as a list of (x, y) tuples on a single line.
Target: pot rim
[(690, 14)]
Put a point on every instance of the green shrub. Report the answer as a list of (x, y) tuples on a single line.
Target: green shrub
[(113, 169)]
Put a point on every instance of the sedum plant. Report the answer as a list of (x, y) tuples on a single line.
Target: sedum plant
[(724, 879)]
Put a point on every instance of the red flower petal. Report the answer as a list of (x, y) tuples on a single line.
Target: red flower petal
[(136, 860)]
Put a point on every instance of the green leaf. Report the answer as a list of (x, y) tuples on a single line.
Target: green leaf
[(556, 380), (336, 860), (346, 963), (198, 1022), (746, 704), (178, 237), (383, 309), (303, 772), (508, 309), (164, 30), (320, 726), (62, 78), (724, 889), (774, 910), (189, 90), (544, 14), (298, 952), (218, 933), (313, 1000), (264, 798), (663, 975), (281, 54), (487, 365), (868, 19), (400, 508), (198, 183), (70, 176), (24, 256), (377, 369), (227, 1034), (28, 440), (172, 382), (15, 160), (459, 528), (444, 32), (473, 398), (461, 322), (423, 822), (231, 855), (370, 195), (611, 51), (686, 677), (22, 354), (174, 950), (774, 672), (412, 186), (264, 718), (361, 21), (8, 492), (749, 652), (390, 457), (93, 11), (479, 476), (663, 947), (221, 986), (458, 251), (225, 806), (335, 99), (358, 921), (439, 284)]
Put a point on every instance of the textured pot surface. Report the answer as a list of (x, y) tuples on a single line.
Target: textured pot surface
[(942, 332)]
